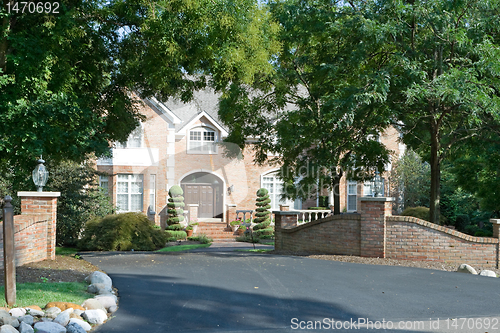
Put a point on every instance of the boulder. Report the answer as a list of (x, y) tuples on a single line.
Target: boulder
[(34, 312), (86, 326), (93, 304), (64, 305), (52, 312), (97, 316), (17, 312), (74, 328), (8, 329), (488, 273), (48, 327), (106, 301), (25, 328), (63, 318), (99, 277), (34, 307), (99, 288), (28, 319), (464, 268), (112, 309), (9, 320), (78, 312)]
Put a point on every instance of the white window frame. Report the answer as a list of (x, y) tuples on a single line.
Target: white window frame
[(274, 195), (152, 191), (352, 197), (205, 147), (130, 179), (135, 139)]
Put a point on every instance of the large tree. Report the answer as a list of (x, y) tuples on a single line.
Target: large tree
[(445, 74), (66, 78), (319, 113)]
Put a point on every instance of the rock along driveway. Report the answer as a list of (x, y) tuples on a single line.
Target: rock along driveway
[(219, 290)]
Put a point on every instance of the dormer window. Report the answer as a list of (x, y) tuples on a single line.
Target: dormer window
[(202, 140), (134, 139)]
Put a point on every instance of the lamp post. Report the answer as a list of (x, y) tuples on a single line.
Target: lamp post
[(378, 185), (40, 175)]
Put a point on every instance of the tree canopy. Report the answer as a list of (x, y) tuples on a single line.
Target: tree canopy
[(445, 72), (66, 78), (320, 112)]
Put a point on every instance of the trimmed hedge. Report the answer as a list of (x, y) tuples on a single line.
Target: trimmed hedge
[(175, 205), (262, 215), (173, 235), (122, 232)]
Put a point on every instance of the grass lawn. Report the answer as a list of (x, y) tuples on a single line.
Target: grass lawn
[(66, 251), (183, 247), (42, 293)]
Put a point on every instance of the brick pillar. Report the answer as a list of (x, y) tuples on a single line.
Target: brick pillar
[(373, 212), (496, 227), (282, 220), (43, 204), (193, 212), (230, 214)]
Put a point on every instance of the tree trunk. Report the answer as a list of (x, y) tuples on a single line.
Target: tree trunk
[(3, 40), (336, 194), (435, 162)]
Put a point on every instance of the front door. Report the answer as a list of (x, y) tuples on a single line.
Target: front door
[(203, 196)]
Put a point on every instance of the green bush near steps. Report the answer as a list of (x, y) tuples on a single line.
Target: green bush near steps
[(173, 235), (122, 232), (262, 215)]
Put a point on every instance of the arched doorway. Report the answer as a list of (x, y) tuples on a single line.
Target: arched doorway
[(206, 190)]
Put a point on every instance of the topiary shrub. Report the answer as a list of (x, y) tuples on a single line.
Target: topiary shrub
[(262, 215), (173, 235), (175, 205), (122, 232), (422, 213)]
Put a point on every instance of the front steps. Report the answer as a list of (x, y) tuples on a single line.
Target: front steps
[(217, 231)]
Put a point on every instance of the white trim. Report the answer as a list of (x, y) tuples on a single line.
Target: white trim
[(347, 201), (185, 129), (165, 111), (39, 194), (270, 173)]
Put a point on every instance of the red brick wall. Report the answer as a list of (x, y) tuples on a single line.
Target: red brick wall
[(375, 233), (415, 239), (35, 230), (339, 234)]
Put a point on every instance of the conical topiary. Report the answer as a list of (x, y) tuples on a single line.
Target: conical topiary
[(262, 213), (175, 205)]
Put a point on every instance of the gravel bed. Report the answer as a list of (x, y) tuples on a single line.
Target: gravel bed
[(440, 266)]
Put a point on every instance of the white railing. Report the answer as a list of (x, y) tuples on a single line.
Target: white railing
[(305, 216)]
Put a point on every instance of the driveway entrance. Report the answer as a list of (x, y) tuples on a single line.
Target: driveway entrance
[(226, 291)]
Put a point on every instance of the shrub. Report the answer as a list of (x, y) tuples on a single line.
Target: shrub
[(203, 239), (323, 201), (174, 227), (175, 234), (262, 211), (422, 213), (317, 208), (122, 232), (175, 205)]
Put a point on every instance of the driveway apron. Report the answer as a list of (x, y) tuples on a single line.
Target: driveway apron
[(226, 291)]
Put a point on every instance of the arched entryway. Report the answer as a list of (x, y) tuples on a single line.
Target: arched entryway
[(206, 190)]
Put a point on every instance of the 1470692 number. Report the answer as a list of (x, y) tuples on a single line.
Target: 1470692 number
[(29, 7)]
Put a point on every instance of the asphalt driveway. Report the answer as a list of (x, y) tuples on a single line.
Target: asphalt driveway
[(225, 291)]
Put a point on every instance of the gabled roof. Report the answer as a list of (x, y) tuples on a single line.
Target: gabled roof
[(182, 131), (162, 110), (183, 115)]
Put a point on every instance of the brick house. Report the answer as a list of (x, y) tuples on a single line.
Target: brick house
[(176, 145)]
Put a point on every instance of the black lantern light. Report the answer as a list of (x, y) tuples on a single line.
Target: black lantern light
[(40, 175), (378, 185)]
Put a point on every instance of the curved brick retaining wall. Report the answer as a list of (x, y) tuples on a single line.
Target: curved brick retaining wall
[(374, 232)]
